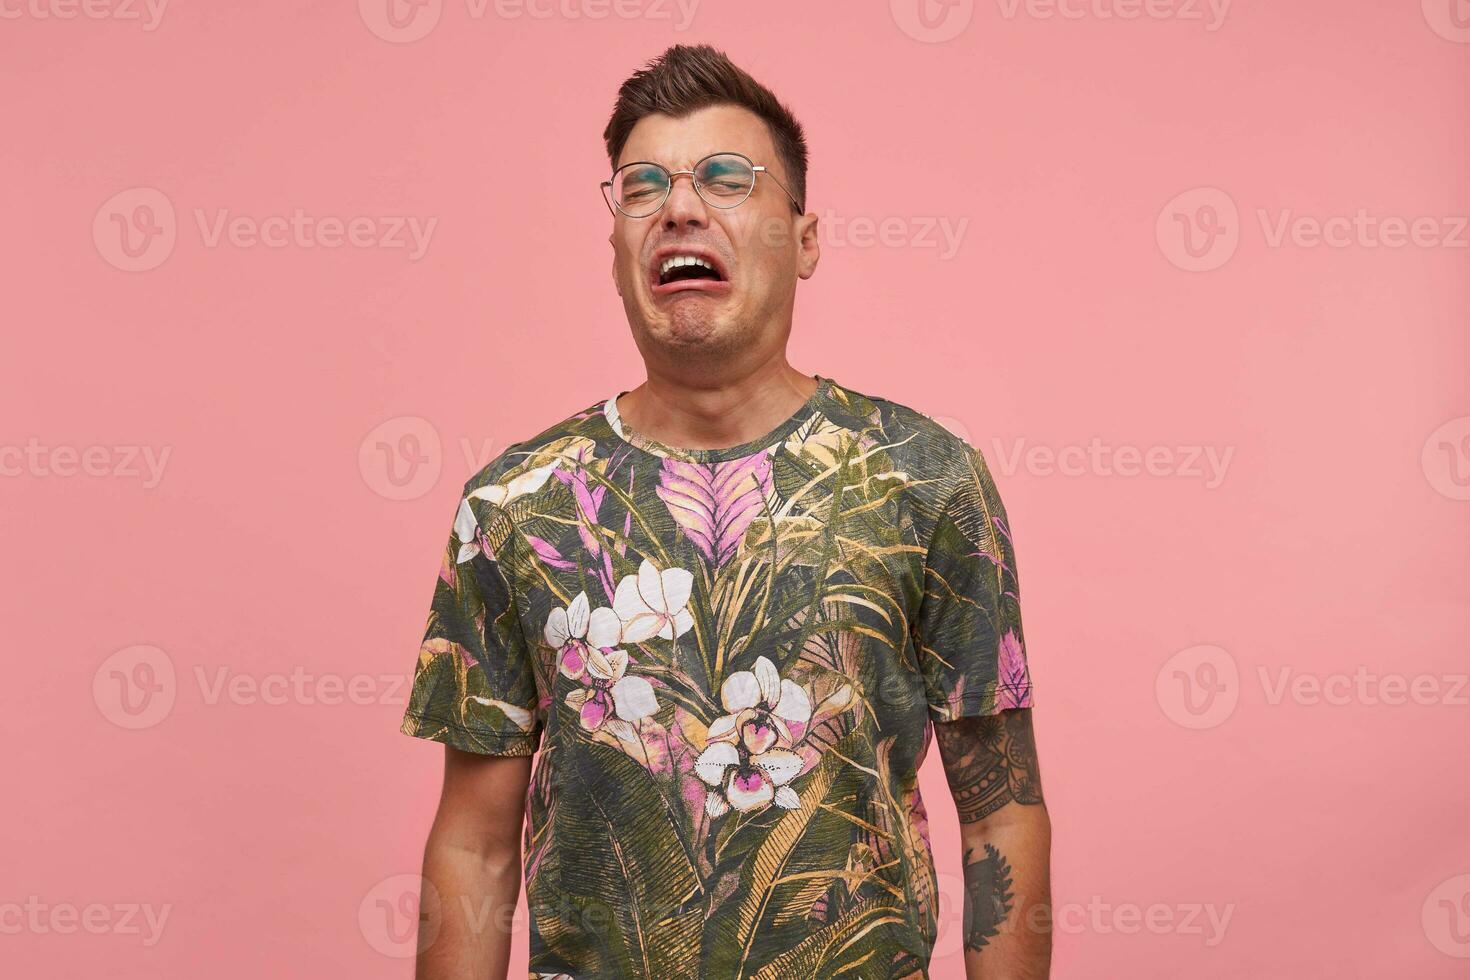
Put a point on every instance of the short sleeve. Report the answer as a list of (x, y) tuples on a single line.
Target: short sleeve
[(970, 646), (474, 686)]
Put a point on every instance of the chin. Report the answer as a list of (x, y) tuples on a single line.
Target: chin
[(686, 323)]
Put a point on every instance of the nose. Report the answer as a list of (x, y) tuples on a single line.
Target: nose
[(684, 207)]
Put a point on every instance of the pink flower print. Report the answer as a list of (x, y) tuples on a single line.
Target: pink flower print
[(1013, 689)]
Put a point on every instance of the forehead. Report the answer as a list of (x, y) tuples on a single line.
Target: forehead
[(678, 141)]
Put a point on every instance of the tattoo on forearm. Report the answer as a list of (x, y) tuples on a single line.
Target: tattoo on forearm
[(990, 760), (987, 896)]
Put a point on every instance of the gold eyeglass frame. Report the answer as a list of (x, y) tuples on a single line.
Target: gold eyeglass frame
[(755, 169)]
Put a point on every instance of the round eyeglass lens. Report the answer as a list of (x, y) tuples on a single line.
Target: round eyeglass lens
[(639, 189), (724, 179)]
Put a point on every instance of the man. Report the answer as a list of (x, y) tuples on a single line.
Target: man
[(722, 610)]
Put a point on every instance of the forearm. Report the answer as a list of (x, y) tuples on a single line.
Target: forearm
[(478, 887), (1005, 833), (1007, 919)]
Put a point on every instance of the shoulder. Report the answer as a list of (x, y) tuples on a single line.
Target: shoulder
[(920, 446), (526, 465)]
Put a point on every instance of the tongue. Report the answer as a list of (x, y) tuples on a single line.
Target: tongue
[(689, 272)]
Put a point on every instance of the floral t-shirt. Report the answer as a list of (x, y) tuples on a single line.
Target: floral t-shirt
[(726, 661)]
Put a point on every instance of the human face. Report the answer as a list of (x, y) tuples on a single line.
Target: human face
[(758, 249)]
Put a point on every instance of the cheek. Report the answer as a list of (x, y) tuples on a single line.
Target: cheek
[(754, 236), (627, 246), (762, 242)]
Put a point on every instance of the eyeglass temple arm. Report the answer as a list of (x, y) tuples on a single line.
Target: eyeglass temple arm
[(794, 202)]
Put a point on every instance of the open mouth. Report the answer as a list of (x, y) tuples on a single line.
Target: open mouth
[(687, 267)]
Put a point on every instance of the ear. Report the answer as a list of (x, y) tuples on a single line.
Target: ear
[(809, 249), (616, 285)]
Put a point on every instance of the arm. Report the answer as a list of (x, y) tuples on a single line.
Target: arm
[(1005, 835), (473, 859)]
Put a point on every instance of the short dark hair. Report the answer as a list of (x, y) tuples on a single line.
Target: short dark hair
[(688, 77)]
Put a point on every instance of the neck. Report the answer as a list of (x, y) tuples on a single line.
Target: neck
[(715, 412)]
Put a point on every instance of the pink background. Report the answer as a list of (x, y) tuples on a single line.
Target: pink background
[(1067, 155)]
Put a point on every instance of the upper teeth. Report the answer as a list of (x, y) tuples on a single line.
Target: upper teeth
[(675, 261)]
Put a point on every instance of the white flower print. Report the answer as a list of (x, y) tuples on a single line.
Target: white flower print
[(611, 690), (574, 631), (585, 640), (467, 527), (654, 603), (520, 717), (501, 494), (747, 759), (748, 785), (467, 531), (761, 705)]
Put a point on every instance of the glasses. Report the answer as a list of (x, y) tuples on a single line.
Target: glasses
[(722, 180)]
